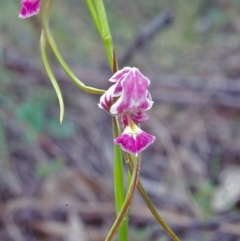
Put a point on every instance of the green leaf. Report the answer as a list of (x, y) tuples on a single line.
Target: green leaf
[(51, 74)]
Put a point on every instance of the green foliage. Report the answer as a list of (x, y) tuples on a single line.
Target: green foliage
[(32, 109), (203, 197), (33, 113), (47, 169)]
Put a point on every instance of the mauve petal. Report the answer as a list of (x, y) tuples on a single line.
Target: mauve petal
[(138, 116), (134, 142), (118, 89), (120, 74), (134, 93), (106, 99), (29, 8)]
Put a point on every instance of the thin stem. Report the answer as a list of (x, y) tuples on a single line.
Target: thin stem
[(119, 183), (51, 74), (94, 15), (128, 200), (50, 40), (148, 202), (104, 30)]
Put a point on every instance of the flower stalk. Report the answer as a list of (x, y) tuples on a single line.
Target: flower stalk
[(148, 202), (128, 200), (118, 175), (126, 204)]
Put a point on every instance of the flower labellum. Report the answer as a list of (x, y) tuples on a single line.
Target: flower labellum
[(29, 8), (134, 140), (132, 99)]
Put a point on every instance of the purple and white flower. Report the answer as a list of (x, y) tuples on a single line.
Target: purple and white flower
[(29, 8), (129, 98)]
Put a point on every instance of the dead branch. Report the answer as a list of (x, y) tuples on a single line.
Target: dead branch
[(160, 22)]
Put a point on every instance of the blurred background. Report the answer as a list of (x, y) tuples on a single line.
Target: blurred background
[(56, 181)]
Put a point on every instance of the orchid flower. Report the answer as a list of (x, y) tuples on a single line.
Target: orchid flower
[(128, 98), (29, 8)]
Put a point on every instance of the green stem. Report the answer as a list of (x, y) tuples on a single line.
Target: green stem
[(51, 74), (119, 183), (50, 40), (148, 202), (94, 15), (104, 30), (127, 202)]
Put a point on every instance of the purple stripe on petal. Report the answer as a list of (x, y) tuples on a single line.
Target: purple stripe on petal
[(139, 116), (106, 99), (120, 74), (134, 141), (134, 93), (29, 8)]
